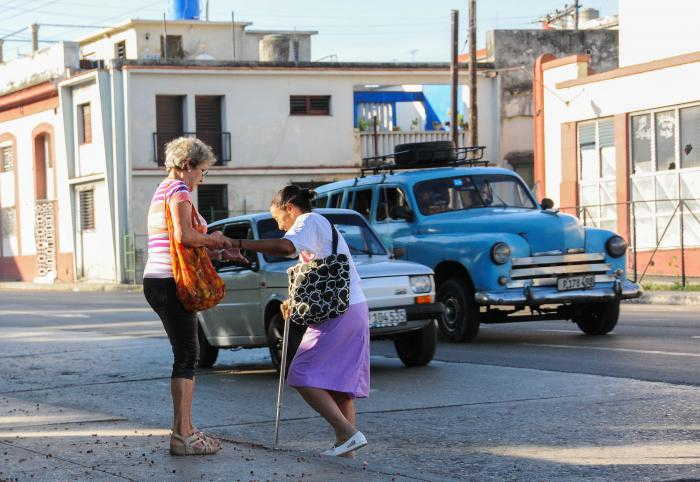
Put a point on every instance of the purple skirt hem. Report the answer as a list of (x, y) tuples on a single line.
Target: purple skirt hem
[(335, 355)]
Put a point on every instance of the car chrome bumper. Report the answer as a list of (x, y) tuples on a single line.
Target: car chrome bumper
[(534, 296)]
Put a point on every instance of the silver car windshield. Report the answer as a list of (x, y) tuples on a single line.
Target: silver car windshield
[(360, 238), (467, 192)]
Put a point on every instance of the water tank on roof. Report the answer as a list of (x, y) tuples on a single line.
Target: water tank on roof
[(186, 9), (274, 48)]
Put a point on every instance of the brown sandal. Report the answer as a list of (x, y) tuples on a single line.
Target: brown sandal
[(195, 444)]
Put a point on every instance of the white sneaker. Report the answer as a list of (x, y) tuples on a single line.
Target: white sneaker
[(353, 443)]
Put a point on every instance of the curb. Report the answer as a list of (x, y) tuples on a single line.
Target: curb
[(647, 298), (85, 287), (667, 298)]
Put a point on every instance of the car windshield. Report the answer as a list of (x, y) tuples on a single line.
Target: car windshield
[(467, 192), (360, 238)]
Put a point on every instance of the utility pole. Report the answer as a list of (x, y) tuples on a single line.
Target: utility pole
[(576, 7), (233, 33), (35, 37), (473, 123), (164, 54), (455, 76)]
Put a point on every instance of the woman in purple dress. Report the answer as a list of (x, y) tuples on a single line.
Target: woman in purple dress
[(331, 365)]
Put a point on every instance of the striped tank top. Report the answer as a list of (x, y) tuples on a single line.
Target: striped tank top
[(159, 263)]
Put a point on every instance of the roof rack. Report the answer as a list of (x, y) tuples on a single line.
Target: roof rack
[(463, 156)]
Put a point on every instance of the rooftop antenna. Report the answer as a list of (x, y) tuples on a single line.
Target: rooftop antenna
[(233, 33)]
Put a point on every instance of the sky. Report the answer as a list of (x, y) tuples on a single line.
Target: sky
[(359, 30)]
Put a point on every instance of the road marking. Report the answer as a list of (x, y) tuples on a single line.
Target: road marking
[(107, 325), (562, 331), (77, 313), (695, 337), (628, 350)]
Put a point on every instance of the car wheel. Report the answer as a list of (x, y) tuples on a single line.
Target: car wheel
[(417, 348), (461, 319), (275, 331), (207, 353), (598, 318)]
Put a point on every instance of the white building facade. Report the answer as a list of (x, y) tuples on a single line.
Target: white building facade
[(83, 141), (622, 148)]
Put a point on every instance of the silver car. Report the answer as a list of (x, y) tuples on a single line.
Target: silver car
[(400, 294)]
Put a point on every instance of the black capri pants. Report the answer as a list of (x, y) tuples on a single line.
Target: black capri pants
[(180, 325)]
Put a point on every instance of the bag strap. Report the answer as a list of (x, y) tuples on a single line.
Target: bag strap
[(334, 233)]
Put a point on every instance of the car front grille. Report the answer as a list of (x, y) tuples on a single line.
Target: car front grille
[(544, 270)]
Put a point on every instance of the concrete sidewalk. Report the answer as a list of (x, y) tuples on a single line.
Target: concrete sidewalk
[(46, 442), (107, 287)]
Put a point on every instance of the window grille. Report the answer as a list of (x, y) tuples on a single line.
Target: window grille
[(87, 209)]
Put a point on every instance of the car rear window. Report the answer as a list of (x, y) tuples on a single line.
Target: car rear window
[(359, 236)]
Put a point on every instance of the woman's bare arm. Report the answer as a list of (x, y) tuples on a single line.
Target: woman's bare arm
[(275, 247), (185, 233)]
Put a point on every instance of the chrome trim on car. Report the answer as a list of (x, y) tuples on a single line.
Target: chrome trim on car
[(565, 269), (599, 278), (561, 259), (622, 289)]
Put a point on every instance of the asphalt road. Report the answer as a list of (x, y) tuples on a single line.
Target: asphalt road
[(651, 342), (528, 401), (654, 343)]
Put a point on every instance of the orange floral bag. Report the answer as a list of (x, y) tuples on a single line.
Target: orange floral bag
[(198, 285)]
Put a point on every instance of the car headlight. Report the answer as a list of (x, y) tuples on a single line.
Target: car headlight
[(500, 253), (616, 246), (421, 284)]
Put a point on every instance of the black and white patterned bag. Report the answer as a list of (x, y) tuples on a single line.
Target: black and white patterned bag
[(320, 289)]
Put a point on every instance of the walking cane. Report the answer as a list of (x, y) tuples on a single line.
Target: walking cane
[(280, 385)]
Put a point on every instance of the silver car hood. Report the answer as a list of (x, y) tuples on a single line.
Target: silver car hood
[(369, 267), (382, 266)]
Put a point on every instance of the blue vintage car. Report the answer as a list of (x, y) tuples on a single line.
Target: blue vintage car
[(498, 255)]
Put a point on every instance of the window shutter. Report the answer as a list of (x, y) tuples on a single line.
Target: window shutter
[(212, 200), (85, 124), (169, 122), (320, 105), (7, 160), (309, 104), (297, 105), (174, 44), (87, 209), (606, 133), (208, 115), (586, 135), (120, 49)]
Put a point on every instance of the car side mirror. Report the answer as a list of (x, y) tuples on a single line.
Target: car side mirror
[(547, 204), (402, 212)]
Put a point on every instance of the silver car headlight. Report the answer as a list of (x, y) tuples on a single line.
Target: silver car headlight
[(421, 284), (616, 246), (500, 253)]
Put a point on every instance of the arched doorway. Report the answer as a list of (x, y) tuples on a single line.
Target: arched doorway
[(45, 235)]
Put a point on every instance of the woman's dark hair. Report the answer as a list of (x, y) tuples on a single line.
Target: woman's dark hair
[(295, 195)]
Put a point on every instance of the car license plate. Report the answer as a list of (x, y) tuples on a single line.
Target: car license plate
[(385, 318), (576, 283)]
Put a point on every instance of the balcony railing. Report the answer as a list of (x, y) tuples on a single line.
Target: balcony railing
[(220, 142), (382, 143)]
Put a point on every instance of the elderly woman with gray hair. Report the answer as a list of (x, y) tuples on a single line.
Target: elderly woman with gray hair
[(187, 161)]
